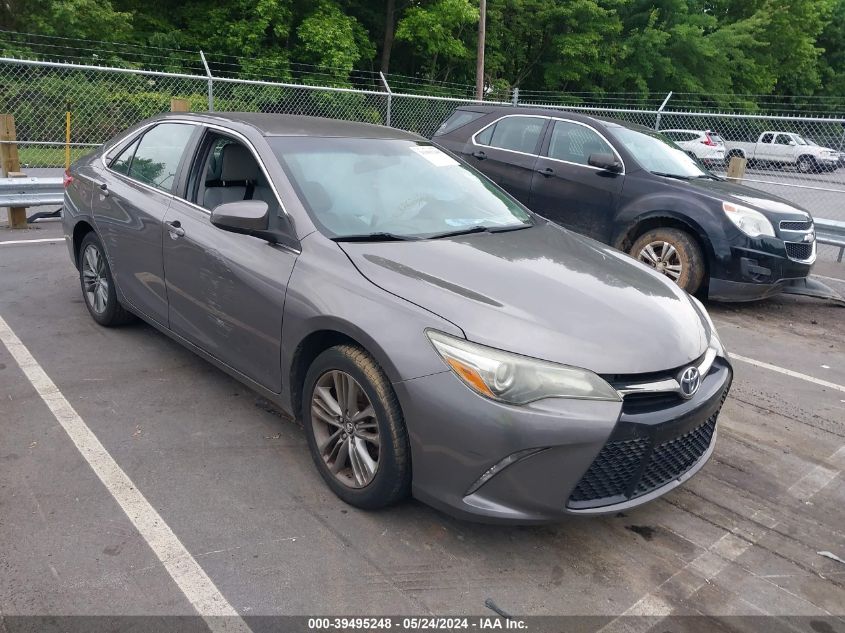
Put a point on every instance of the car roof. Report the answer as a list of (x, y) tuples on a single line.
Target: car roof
[(553, 112), (271, 124)]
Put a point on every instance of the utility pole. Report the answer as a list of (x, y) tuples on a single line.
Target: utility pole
[(479, 62)]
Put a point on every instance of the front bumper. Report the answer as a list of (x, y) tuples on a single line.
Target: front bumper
[(457, 436)]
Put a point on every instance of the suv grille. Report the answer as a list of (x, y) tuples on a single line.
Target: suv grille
[(799, 250), (630, 468), (796, 225)]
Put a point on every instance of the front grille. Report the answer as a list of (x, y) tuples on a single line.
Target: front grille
[(628, 468), (675, 457), (796, 225), (799, 250)]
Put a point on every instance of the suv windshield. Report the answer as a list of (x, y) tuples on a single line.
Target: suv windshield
[(657, 154), (392, 188)]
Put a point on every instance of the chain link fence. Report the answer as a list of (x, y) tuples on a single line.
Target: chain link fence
[(801, 159)]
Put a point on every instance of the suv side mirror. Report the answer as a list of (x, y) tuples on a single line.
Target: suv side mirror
[(607, 162), (247, 217)]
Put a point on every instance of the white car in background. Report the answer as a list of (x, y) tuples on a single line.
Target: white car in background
[(704, 145)]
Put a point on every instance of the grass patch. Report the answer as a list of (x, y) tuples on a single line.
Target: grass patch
[(49, 155)]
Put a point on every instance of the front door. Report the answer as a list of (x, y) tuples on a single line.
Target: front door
[(226, 291), (130, 201), (568, 191)]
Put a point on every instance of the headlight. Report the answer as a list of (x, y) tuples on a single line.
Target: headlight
[(749, 221), (516, 379)]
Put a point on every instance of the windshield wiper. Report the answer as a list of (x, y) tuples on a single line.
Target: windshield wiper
[(374, 237), (676, 176), (480, 229)]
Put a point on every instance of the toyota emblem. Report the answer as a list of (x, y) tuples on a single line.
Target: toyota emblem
[(690, 382)]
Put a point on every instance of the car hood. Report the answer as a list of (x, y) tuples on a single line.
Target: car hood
[(546, 293), (773, 207)]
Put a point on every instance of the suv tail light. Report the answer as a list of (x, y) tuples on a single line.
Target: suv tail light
[(708, 141), (67, 179)]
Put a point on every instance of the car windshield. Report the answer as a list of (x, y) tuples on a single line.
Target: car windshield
[(800, 139), (657, 154), (392, 188)]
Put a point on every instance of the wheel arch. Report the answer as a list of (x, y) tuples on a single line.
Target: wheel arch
[(324, 336), (666, 219), (80, 230)]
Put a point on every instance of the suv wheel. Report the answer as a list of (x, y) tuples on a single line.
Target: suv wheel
[(355, 428), (673, 253)]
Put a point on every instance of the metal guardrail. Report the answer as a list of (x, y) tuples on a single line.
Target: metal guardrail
[(831, 232), (31, 191)]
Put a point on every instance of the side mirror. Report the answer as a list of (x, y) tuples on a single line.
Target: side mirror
[(248, 217), (607, 162)]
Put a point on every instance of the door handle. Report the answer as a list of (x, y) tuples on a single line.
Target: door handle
[(175, 229), (479, 155), (546, 171), (104, 189)]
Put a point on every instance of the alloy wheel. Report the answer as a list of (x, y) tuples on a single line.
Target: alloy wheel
[(663, 257), (345, 428), (94, 279)]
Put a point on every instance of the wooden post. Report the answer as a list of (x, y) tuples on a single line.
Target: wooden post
[(736, 169), (179, 105), (17, 215), (11, 165)]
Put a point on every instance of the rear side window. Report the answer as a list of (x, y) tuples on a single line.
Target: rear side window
[(158, 154), (574, 143), (458, 119), (766, 138), (515, 133), (122, 163)]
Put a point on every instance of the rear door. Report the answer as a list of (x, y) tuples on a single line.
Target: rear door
[(764, 148), (226, 291), (506, 151), (567, 190), (131, 196)]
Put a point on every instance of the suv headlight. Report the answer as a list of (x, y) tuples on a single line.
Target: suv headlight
[(516, 379), (749, 221)]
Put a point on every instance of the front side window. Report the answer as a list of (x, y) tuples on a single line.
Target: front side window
[(575, 143), (355, 187), (515, 133), (783, 139), (158, 154)]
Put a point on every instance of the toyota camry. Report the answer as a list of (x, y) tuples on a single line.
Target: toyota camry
[(435, 337)]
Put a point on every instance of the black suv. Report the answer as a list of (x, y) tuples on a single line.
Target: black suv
[(629, 186)]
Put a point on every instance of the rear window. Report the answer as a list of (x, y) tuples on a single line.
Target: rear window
[(458, 119), (716, 138)]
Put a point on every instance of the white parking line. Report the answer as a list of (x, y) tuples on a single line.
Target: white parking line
[(198, 588), (719, 556), (40, 240), (842, 281), (787, 372)]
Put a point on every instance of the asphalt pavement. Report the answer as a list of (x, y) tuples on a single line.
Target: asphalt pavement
[(232, 481)]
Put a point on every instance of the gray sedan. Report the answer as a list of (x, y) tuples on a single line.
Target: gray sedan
[(434, 336)]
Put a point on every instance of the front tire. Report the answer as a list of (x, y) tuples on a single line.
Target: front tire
[(97, 283), (807, 165), (673, 253), (355, 428)]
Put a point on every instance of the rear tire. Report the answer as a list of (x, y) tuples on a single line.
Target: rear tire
[(674, 253), (97, 283), (359, 443)]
